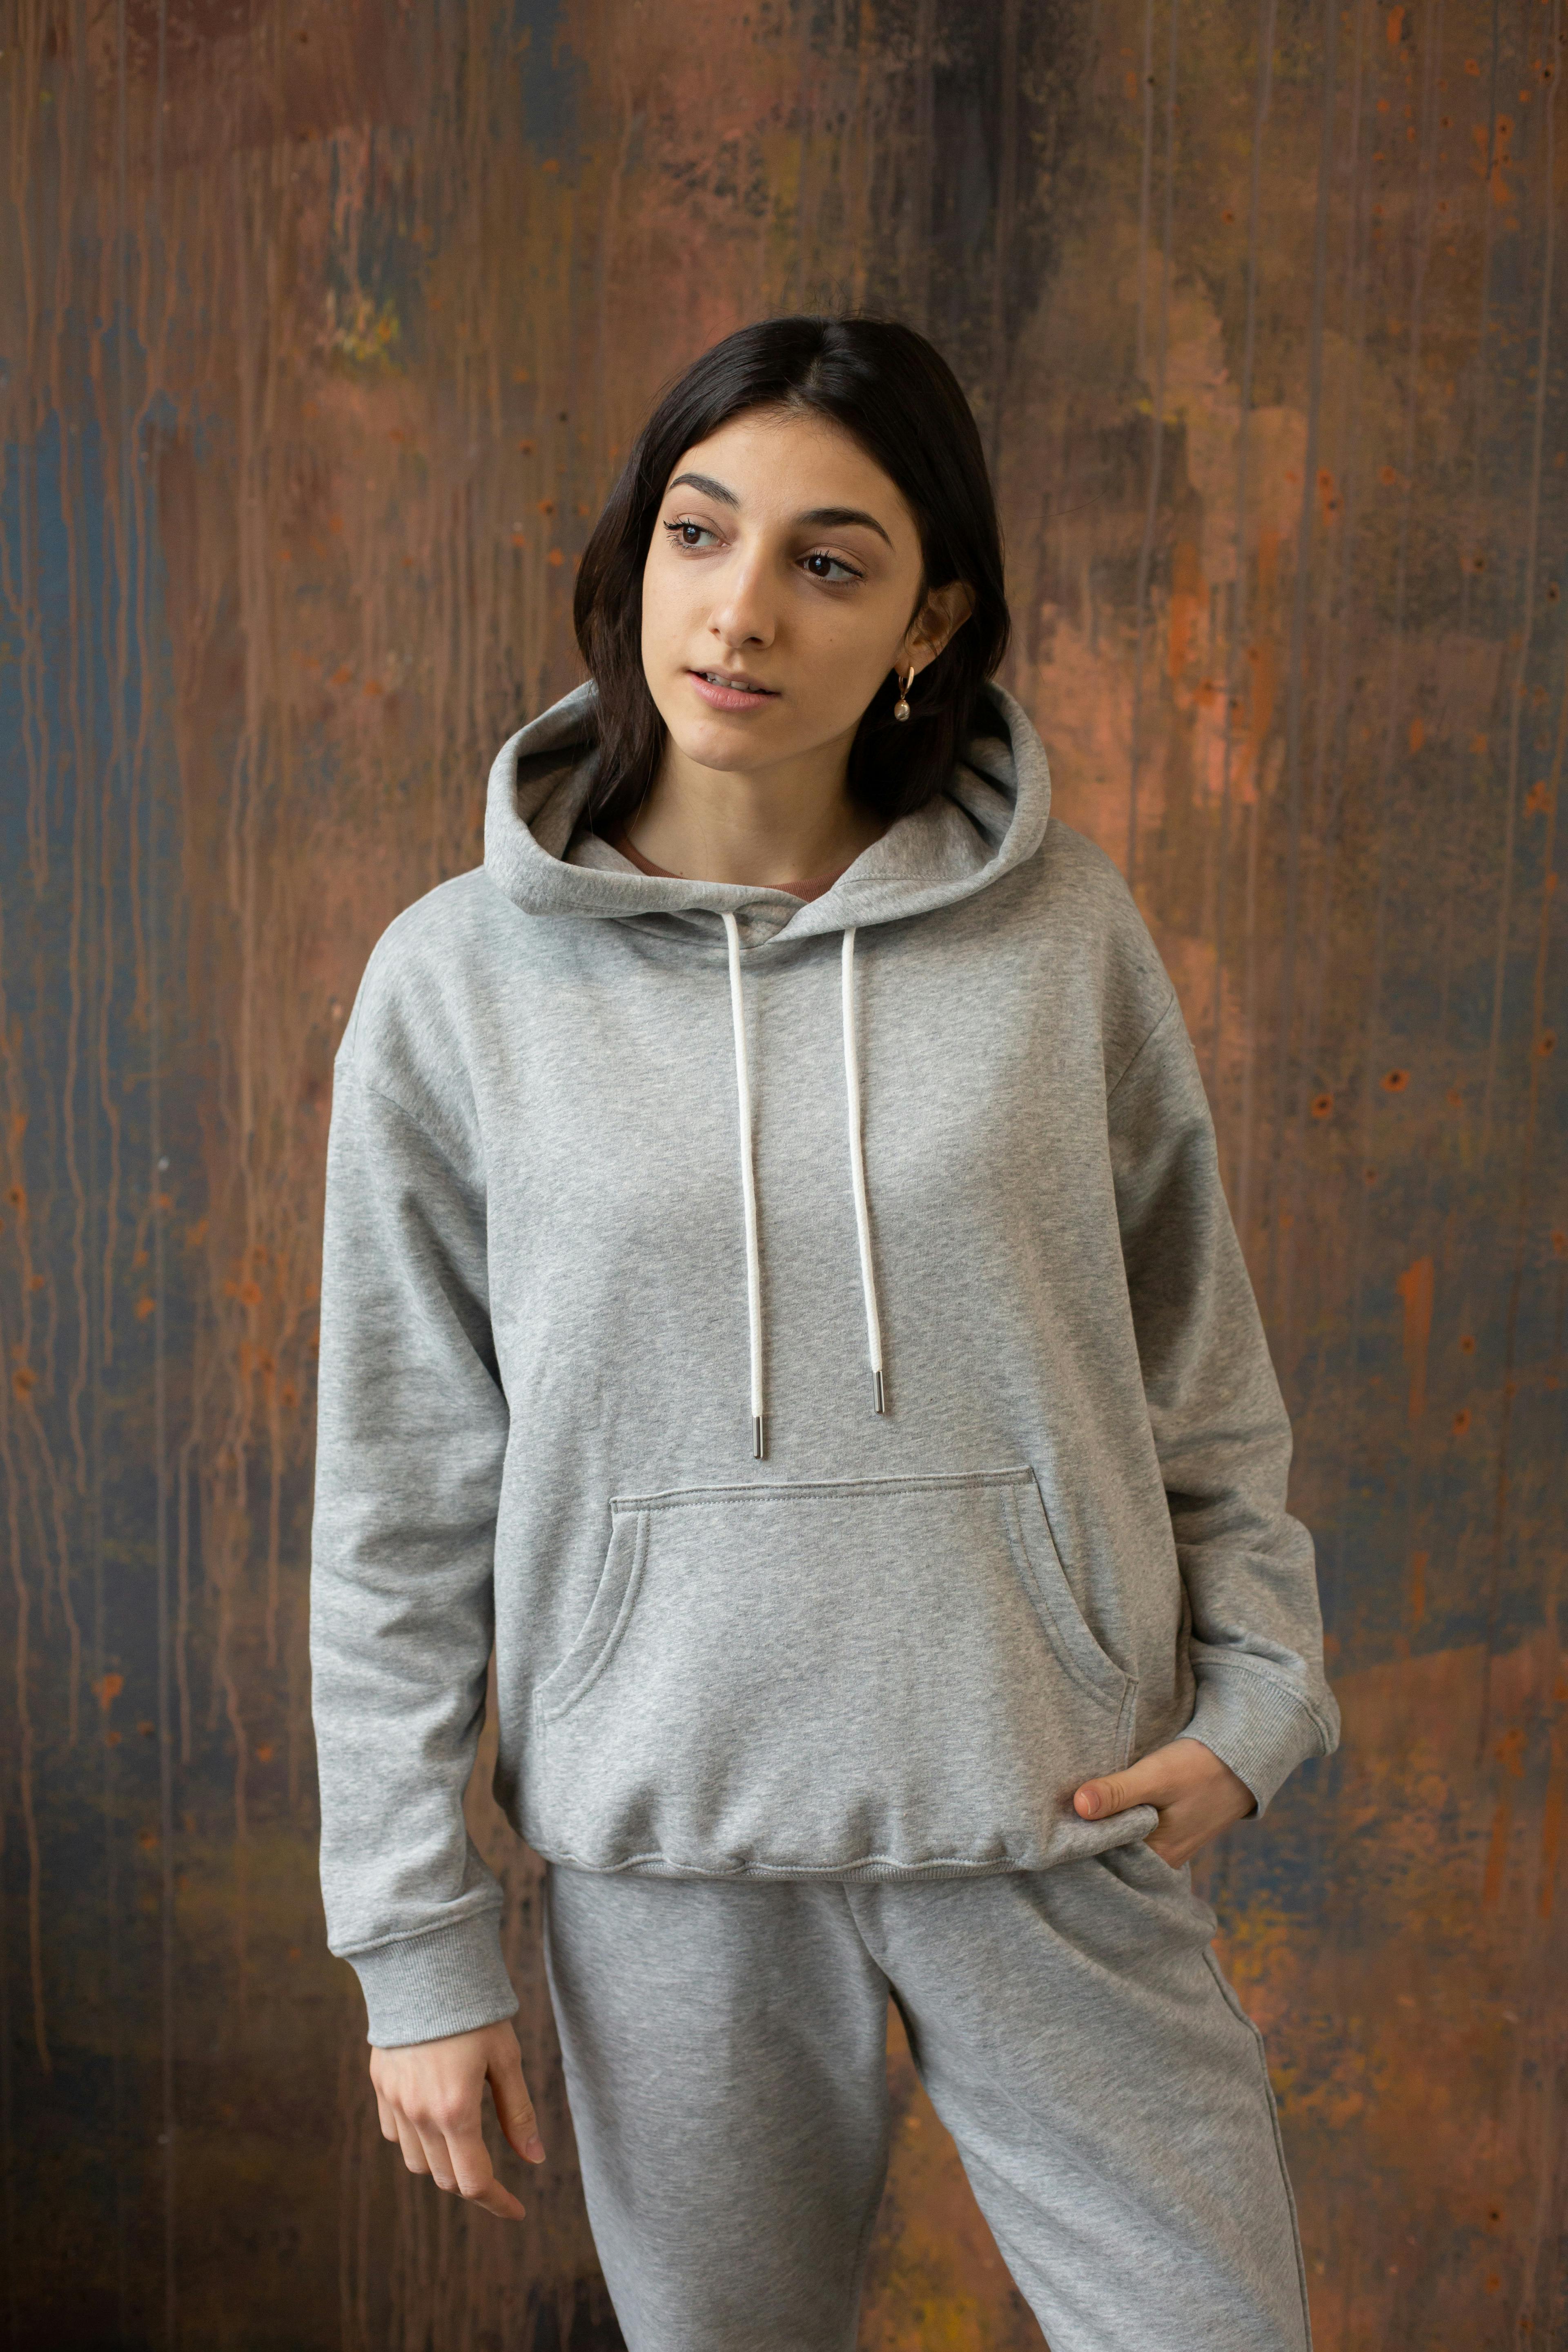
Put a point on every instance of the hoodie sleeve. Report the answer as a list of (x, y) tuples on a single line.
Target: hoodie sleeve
[(1220, 1426), (411, 1433)]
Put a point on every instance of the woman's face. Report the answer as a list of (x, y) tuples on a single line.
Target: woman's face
[(778, 591)]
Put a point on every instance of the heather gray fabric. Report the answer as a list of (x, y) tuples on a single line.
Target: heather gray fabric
[(891, 1648), (724, 2055)]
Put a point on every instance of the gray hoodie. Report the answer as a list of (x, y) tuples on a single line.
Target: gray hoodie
[(810, 1340)]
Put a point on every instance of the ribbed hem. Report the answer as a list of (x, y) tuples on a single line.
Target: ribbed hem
[(449, 1981), (1255, 1726)]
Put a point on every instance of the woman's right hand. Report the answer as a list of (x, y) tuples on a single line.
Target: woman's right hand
[(430, 2098)]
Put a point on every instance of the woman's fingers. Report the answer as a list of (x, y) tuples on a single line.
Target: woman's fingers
[(457, 2159), (475, 2177), (437, 2155), (513, 2106), (1195, 1793), (408, 2140), (430, 2098)]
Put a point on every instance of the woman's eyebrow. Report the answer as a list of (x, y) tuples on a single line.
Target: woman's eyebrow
[(839, 518), (819, 518), (707, 486)]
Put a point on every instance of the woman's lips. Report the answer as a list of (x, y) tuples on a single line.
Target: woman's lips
[(729, 697)]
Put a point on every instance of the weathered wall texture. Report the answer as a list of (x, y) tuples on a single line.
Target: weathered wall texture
[(322, 326)]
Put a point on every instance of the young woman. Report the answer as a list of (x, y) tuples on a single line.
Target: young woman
[(777, 1288)]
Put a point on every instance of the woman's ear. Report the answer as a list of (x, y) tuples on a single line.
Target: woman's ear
[(944, 610)]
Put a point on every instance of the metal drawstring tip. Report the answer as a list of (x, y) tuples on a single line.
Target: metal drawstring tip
[(757, 1447), (882, 1405)]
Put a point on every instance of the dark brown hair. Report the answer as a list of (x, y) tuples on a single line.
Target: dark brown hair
[(894, 391)]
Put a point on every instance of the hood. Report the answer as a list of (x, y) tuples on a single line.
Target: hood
[(990, 818)]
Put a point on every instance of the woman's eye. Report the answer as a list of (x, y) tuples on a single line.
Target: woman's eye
[(832, 569), (687, 534)]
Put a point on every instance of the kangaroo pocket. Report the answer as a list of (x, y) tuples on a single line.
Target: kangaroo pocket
[(874, 1675)]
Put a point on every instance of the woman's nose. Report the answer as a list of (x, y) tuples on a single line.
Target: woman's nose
[(744, 614)]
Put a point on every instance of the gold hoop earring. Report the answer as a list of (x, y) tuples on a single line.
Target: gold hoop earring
[(901, 708)]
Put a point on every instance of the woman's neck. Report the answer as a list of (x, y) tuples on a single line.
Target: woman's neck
[(768, 830)]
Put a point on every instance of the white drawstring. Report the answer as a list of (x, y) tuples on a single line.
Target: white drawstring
[(748, 1184), (857, 1171), (749, 1180)]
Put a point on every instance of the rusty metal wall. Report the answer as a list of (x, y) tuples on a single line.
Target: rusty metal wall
[(323, 328)]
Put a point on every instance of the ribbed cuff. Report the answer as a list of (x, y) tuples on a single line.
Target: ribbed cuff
[(1254, 1725), (449, 1981)]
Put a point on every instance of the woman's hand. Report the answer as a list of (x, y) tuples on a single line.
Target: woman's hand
[(430, 2097), (1197, 1796)]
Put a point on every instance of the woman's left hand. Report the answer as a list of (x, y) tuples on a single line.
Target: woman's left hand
[(1197, 1796)]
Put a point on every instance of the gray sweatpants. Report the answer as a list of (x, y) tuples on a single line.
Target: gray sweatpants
[(725, 2049)]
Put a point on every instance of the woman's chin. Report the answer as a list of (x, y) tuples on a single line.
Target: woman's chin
[(731, 746)]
